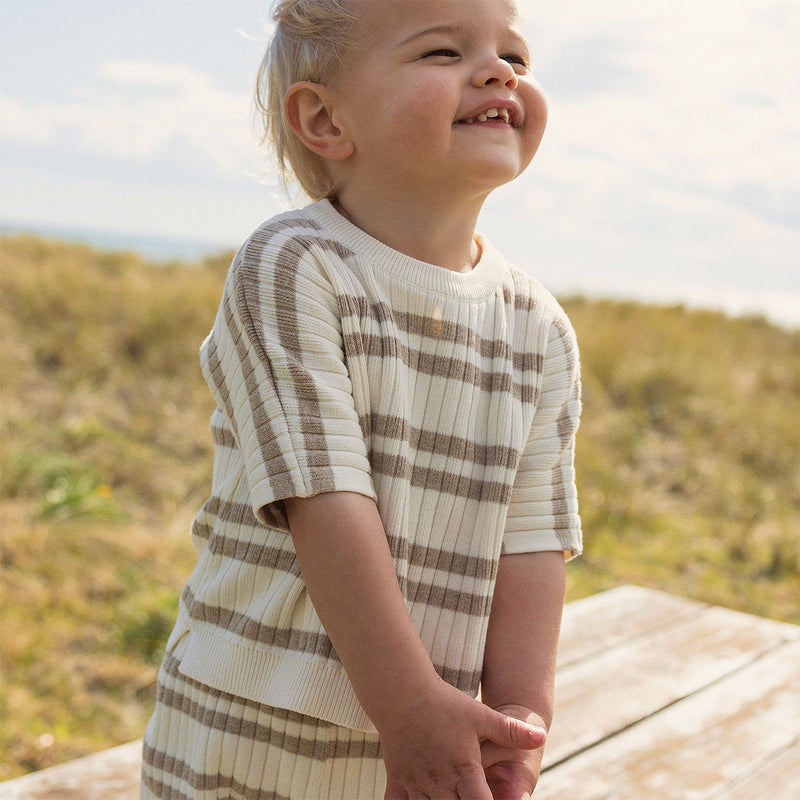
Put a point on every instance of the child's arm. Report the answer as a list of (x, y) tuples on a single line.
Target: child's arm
[(430, 731), (520, 660)]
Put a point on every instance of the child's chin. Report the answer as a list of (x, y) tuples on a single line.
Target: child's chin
[(494, 174)]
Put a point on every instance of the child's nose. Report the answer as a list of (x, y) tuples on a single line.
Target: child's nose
[(497, 70)]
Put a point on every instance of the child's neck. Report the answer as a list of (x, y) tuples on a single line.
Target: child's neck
[(425, 230)]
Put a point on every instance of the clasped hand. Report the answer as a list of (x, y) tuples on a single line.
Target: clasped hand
[(443, 745)]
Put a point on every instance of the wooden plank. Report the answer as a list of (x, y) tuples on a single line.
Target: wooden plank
[(593, 624), (597, 697), (109, 775), (696, 747), (777, 779)]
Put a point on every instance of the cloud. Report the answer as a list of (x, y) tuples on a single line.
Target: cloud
[(587, 65), (670, 155), (140, 110), (695, 91)]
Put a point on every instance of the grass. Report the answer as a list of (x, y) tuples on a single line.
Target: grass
[(689, 455), (688, 463)]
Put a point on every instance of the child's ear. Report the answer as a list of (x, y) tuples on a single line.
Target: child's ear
[(308, 107)]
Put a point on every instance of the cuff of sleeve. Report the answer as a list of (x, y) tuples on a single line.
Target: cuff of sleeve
[(268, 496), (568, 540)]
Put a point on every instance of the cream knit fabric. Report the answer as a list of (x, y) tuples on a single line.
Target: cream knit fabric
[(339, 364)]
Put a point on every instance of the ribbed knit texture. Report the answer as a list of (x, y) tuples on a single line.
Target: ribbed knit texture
[(339, 364), (204, 744)]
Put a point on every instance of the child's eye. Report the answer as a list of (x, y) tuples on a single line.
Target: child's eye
[(443, 52), (513, 58)]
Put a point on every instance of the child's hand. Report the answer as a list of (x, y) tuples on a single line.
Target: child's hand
[(432, 749), (512, 773)]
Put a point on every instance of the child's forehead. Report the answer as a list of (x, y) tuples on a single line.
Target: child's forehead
[(379, 17)]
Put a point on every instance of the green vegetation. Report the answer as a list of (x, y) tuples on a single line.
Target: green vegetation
[(688, 464), (689, 456)]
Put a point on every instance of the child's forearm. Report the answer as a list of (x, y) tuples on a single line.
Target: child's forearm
[(431, 732), (346, 564), (524, 625)]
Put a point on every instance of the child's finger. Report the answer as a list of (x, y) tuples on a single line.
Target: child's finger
[(491, 753), (472, 786), (510, 732), (394, 791)]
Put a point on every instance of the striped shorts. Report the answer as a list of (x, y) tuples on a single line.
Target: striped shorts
[(203, 744)]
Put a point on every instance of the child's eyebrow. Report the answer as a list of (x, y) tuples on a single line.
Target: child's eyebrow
[(446, 28), (434, 29)]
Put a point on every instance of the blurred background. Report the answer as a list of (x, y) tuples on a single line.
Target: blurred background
[(662, 209), (669, 171)]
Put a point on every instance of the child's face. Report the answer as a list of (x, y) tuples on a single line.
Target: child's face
[(437, 97)]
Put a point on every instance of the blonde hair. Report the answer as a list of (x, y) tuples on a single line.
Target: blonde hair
[(309, 40)]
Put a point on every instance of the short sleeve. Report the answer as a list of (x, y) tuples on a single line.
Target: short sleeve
[(543, 511), (275, 363)]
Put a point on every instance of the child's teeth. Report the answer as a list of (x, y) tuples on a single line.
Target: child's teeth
[(492, 113)]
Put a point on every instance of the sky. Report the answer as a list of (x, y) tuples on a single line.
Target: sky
[(669, 172)]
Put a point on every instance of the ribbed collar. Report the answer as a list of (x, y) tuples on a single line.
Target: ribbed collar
[(481, 281)]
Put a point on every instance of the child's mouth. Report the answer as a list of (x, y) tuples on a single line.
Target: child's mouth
[(490, 113)]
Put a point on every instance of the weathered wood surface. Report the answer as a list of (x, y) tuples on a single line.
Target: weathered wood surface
[(673, 699), (657, 697), (109, 775)]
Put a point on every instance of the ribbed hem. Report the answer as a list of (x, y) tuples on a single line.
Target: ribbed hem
[(300, 683), (477, 284), (568, 540), (274, 489)]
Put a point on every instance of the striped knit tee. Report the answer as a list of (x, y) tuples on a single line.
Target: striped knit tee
[(339, 364)]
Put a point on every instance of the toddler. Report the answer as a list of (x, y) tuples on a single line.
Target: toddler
[(376, 605)]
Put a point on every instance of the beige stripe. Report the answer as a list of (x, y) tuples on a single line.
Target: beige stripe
[(273, 227), (274, 558), (200, 528), (264, 431), (182, 771), (440, 480), (288, 325), (216, 376), (424, 327), (455, 563), (468, 682), (160, 788), (453, 332), (222, 436), (441, 366), (522, 302), (237, 513), (328, 742), (567, 337), (523, 360), (565, 425), (316, 643), (216, 508), (456, 447), (450, 599)]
